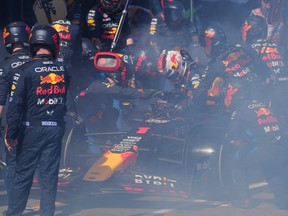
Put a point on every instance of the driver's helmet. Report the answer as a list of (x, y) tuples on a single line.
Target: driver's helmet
[(174, 13), (171, 65), (16, 32), (45, 35), (254, 28), (212, 39), (111, 5)]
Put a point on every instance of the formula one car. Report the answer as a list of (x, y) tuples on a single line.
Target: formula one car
[(167, 150)]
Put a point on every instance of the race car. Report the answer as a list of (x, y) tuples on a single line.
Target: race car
[(168, 150)]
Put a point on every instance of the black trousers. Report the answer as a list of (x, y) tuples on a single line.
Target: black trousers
[(10, 159), (38, 147)]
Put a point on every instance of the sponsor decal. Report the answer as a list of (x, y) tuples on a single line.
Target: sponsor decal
[(49, 69), (142, 58), (203, 165), (243, 72), (49, 123), (23, 57), (273, 64), (111, 37), (63, 22), (157, 121), (272, 128), (65, 36), (110, 25), (267, 50), (257, 105), (271, 56), (267, 120), (51, 90), (55, 38), (257, 45), (263, 111), (126, 144), (154, 180), (16, 64), (61, 28), (50, 101), (47, 62), (14, 85), (111, 32), (173, 61), (91, 23), (143, 130), (52, 78)]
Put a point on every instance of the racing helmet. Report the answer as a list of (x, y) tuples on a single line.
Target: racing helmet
[(171, 65), (111, 5), (47, 36), (212, 39), (174, 13), (16, 32), (254, 28)]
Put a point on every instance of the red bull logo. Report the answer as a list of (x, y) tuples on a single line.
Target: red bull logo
[(61, 28), (173, 62), (263, 112), (52, 78), (269, 50), (129, 158), (232, 57)]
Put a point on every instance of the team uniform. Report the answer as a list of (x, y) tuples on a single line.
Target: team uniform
[(7, 68), (37, 106)]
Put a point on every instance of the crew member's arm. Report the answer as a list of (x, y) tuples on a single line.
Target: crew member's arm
[(4, 89), (157, 30), (94, 27), (15, 107), (99, 87)]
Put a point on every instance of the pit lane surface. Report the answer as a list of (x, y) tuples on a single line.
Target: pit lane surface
[(75, 202)]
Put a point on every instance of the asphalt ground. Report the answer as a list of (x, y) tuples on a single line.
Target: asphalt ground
[(73, 201)]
